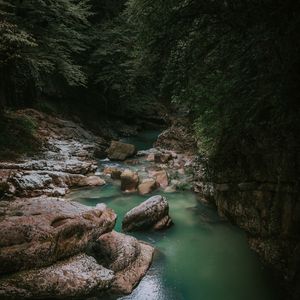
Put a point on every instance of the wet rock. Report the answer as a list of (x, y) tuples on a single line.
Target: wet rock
[(126, 256), (38, 232), (147, 186), (76, 277), (120, 151), (161, 177), (114, 172), (151, 214), (129, 181)]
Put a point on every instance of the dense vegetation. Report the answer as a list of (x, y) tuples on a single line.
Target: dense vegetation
[(234, 64)]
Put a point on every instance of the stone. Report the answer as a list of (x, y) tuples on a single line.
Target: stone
[(129, 181), (78, 276), (151, 214), (37, 232), (161, 177), (120, 151), (126, 256), (147, 186), (150, 157), (91, 181), (162, 157), (114, 172)]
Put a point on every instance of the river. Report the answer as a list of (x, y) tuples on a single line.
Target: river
[(201, 257)]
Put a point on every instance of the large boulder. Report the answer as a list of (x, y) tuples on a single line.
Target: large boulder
[(78, 276), (151, 214), (40, 231), (120, 151), (126, 256), (129, 181), (147, 186)]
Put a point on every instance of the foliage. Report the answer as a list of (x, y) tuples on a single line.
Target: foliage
[(17, 136), (39, 46), (233, 64)]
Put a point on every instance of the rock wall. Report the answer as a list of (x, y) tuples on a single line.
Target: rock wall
[(266, 205), (257, 188)]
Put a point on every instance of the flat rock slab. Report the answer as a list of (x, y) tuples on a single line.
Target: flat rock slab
[(78, 276), (38, 232), (151, 214)]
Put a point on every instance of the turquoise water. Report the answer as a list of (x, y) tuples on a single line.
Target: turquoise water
[(144, 140), (200, 258)]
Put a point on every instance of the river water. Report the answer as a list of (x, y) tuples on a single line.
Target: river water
[(200, 258)]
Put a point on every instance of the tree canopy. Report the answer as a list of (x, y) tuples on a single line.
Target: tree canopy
[(233, 64)]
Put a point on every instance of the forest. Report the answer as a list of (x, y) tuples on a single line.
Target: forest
[(227, 71)]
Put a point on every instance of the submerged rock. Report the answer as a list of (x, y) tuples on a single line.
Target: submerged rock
[(126, 256), (129, 181), (78, 276), (147, 186), (151, 214), (120, 151)]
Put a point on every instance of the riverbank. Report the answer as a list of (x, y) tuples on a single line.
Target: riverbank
[(45, 236)]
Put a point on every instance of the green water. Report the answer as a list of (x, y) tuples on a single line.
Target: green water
[(200, 258), (144, 140)]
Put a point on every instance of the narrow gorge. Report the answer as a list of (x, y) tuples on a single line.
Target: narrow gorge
[(149, 149)]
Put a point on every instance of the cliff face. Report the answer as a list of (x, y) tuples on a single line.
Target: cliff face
[(257, 188), (260, 193)]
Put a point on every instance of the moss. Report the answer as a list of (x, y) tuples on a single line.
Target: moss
[(17, 136)]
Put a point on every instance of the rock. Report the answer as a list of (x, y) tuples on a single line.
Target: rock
[(120, 151), (150, 157), (147, 186), (179, 137), (126, 256), (162, 157), (31, 181), (78, 276), (91, 181), (38, 232), (161, 177), (114, 172), (151, 214), (170, 189), (129, 181)]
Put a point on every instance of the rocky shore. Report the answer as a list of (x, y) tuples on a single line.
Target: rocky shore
[(54, 248)]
